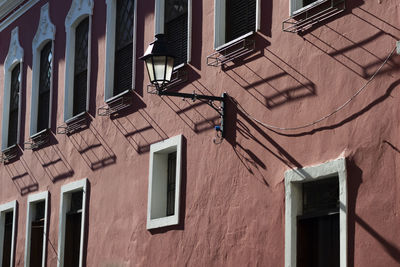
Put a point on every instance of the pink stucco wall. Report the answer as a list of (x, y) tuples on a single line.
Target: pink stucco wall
[(232, 193)]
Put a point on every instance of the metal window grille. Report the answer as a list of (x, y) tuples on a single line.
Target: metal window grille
[(81, 64), (14, 106), (171, 184), (46, 57), (123, 46), (176, 28), (240, 18)]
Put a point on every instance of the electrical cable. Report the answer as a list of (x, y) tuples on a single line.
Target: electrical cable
[(326, 116)]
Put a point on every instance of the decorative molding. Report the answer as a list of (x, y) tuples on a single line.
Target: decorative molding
[(15, 51), (46, 29), (16, 14), (78, 9)]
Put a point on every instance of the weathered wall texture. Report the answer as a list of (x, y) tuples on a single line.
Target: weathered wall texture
[(233, 193)]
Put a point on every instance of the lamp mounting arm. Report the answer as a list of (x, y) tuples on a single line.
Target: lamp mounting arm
[(208, 99)]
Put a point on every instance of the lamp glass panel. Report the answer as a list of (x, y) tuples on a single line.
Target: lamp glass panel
[(149, 65), (159, 68), (170, 67)]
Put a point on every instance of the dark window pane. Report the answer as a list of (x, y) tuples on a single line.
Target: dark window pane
[(240, 18), (318, 241), (307, 2), (7, 239), (80, 71), (123, 46), (176, 28), (72, 239), (36, 253), (14, 106), (46, 56), (321, 195), (76, 202), (171, 184)]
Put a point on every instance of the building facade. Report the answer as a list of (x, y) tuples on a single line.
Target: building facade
[(296, 167)]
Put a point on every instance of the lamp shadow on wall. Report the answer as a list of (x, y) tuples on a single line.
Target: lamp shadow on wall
[(139, 128), (93, 149), (22, 176), (354, 180), (53, 161)]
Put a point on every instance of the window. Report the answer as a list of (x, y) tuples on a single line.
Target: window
[(7, 233), (164, 183), (36, 225), (173, 18), (120, 47), (12, 96), (77, 76), (72, 223), (42, 70), (234, 20), (316, 215), (298, 5)]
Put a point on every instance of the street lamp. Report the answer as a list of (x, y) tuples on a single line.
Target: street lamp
[(159, 62)]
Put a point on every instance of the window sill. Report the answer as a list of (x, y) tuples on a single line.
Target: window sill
[(112, 99), (38, 139), (308, 7), (74, 124), (234, 41), (116, 103), (162, 222), (9, 153)]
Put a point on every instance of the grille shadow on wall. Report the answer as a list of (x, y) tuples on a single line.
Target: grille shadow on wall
[(285, 85), (53, 161), (22, 177), (351, 49), (140, 130), (93, 148)]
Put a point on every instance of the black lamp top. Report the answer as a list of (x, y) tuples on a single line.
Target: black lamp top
[(159, 47)]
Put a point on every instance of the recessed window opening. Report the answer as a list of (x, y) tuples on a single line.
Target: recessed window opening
[(37, 233), (7, 238), (318, 239), (81, 67), (46, 57), (176, 28), (240, 18), (123, 46), (14, 106), (73, 229)]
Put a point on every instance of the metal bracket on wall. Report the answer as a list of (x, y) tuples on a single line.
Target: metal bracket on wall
[(75, 124), (9, 153), (38, 140), (313, 14), (116, 104), (179, 76), (232, 50)]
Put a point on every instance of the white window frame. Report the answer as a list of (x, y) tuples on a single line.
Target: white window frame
[(65, 200), (45, 33), (297, 7), (219, 24), (15, 56), (7, 207), (110, 50), (293, 204), (80, 9), (158, 172), (32, 201), (160, 21)]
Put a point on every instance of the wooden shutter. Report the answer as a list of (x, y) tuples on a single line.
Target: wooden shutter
[(46, 56), (176, 28), (123, 46), (171, 184), (81, 64), (240, 18), (14, 106)]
